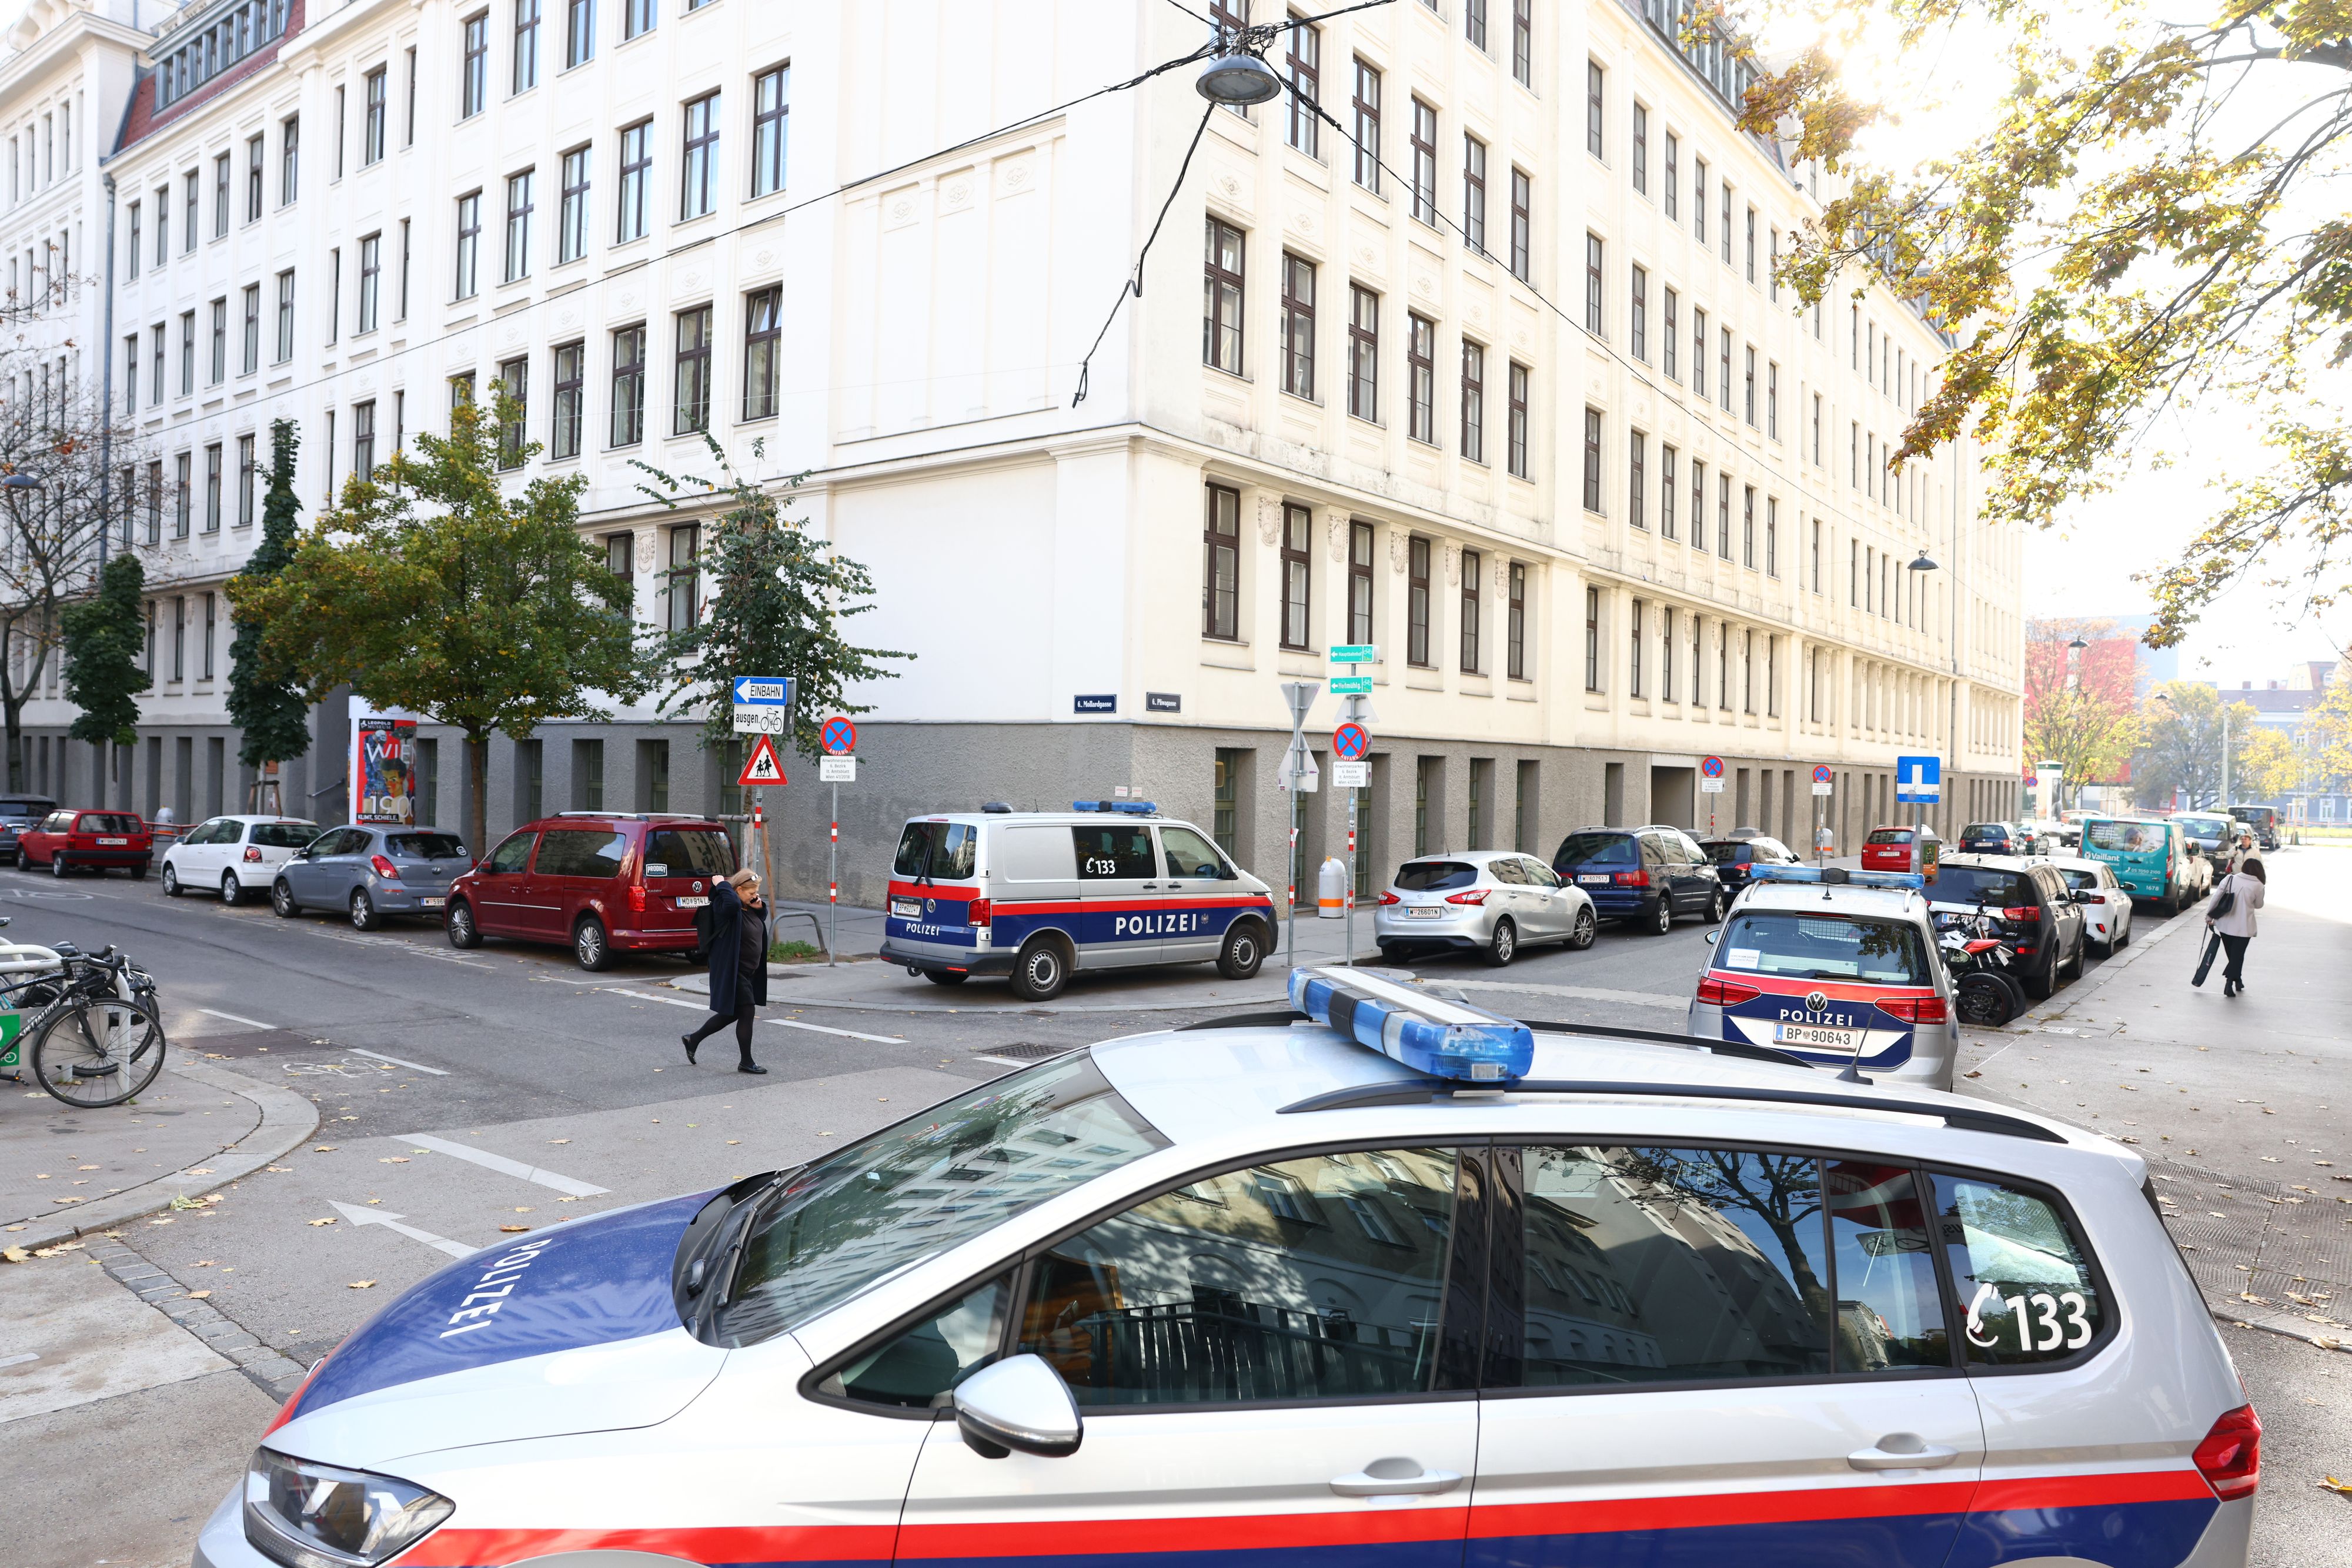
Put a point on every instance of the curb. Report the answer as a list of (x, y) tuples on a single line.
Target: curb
[(2065, 1000), (286, 1119), (274, 1374), (2272, 1326)]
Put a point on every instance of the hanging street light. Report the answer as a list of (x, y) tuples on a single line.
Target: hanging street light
[(1239, 80)]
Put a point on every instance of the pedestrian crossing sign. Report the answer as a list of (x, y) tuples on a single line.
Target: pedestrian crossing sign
[(761, 766)]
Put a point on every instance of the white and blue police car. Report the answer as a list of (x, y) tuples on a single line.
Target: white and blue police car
[(1385, 1278), (1037, 895)]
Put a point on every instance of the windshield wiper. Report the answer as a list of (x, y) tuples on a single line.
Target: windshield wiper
[(728, 1244)]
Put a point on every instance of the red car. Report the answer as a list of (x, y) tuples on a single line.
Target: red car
[(601, 881), (1897, 848), (77, 839)]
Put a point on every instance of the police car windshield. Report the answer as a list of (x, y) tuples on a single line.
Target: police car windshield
[(1434, 876), (932, 1182), (937, 849), (1825, 947)]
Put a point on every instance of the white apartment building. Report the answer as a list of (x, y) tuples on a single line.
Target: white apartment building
[(1515, 400)]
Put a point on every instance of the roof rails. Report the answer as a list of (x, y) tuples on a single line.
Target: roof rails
[(1960, 1118), (1739, 1049)]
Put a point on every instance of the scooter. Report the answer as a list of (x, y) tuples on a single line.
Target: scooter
[(1984, 993)]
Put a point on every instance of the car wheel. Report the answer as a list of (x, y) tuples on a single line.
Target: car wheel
[(1718, 905), (590, 946), (1040, 971), (459, 925), (946, 977), (1504, 946), (58, 865), (281, 900), (1662, 922), (2170, 905), (1395, 954), (232, 890), (139, 871), (1580, 934), (171, 888), (2040, 986), (363, 914), (1242, 952)]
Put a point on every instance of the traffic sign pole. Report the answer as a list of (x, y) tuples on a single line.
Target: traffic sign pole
[(836, 738), (1298, 765), (1348, 937)]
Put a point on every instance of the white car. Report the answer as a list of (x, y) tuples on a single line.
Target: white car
[(233, 855), (2109, 920), (1254, 1293)]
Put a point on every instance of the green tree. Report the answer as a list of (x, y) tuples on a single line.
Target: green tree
[(2149, 222), (264, 701), (2266, 765), (2180, 746), (428, 587), (2330, 753), (102, 636)]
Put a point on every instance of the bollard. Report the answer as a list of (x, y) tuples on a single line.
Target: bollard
[(1331, 893)]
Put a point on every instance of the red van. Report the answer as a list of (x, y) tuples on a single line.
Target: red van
[(75, 840), (601, 881)]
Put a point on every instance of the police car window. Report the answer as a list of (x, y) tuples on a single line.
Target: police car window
[(688, 852), (1319, 1278), (1652, 1265), (1434, 876), (915, 1368), (1800, 946), (581, 851), (932, 1182), (1189, 855), (279, 835), (1595, 849), (1111, 850), (1889, 1309), (1981, 885), (2026, 1291)]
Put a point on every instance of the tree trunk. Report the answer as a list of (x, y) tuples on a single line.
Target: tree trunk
[(478, 776)]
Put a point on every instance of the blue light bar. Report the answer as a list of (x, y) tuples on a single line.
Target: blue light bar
[(1441, 1039), (1132, 808), (1838, 876)]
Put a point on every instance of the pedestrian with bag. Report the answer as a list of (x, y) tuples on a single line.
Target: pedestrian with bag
[(736, 945), (2231, 919)]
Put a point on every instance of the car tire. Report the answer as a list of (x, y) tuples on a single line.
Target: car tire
[(281, 901), (1580, 934), (1503, 946), (139, 871), (2170, 905), (363, 914), (458, 924), (171, 888), (1242, 952), (1662, 923), (58, 865), (1039, 970), (232, 890), (946, 977), (1718, 905), (2039, 987), (1391, 953), (591, 946)]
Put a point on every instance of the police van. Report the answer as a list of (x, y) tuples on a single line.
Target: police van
[(1833, 966), (1379, 1278), (1039, 895)]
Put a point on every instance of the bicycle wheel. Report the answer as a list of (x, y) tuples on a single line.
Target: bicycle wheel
[(98, 1051)]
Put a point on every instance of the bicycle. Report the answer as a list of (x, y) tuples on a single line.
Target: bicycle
[(98, 1039)]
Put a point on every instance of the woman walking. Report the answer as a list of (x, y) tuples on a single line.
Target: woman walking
[(2235, 926), (738, 964)]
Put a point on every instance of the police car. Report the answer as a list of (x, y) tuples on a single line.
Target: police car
[(1397, 1280), (1037, 895), (1834, 967)]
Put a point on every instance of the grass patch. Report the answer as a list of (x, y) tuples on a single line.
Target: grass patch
[(793, 952)]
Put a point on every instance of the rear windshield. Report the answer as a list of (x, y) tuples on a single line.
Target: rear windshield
[(1894, 835), (1434, 876), (688, 852), (2206, 827), (1981, 885), (284, 835), (947, 850), (424, 846), (20, 810), (1729, 855), (2125, 838), (2075, 878), (108, 822), (1596, 849), (1824, 948), (2264, 815)]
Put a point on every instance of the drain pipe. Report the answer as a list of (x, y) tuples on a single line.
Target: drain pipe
[(106, 385)]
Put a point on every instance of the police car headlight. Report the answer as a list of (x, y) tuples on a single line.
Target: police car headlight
[(309, 1515)]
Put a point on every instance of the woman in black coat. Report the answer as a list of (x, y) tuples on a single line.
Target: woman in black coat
[(738, 964)]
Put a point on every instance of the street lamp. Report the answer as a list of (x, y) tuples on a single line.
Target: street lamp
[(1239, 80)]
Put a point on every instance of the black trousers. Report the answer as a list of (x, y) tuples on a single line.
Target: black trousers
[(2235, 947), (743, 1022)]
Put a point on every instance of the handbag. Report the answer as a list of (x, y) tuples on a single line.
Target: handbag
[(2205, 964), (2224, 902)]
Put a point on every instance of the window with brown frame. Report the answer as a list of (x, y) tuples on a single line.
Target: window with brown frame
[(690, 402), (1297, 576), (1515, 629), (1667, 460), (1416, 602), (1363, 352), (1638, 313), (764, 341), (1698, 352), (1221, 314), (1220, 565), (514, 381), (1747, 526), (570, 385), (1523, 199), (771, 111), (1771, 536), (698, 157), (629, 385), (1523, 41), (1424, 163), (1698, 504), (1474, 194), (1668, 341), (1367, 128), (1723, 367), (1361, 540), (1595, 108), (1421, 378), (1723, 514), (1666, 652), (1303, 66), (1473, 401), (1633, 650), (1592, 460), (1592, 638), (1517, 460), (1637, 505), (1748, 371), (1474, 565), (1640, 150), (1297, 326), (1473, 23), (1595, 255)]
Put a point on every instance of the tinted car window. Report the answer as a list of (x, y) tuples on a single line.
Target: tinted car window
[(283, 835), (2079, 879), (1889, 1308), (24, 809), (1729, 855), (510, 856), (2026, 1291), (703, 851), (1824, 948), (1112, 851), (1506, 869), (1318, 1277), (581, 851), (422, 846), (1595, 849), (912, 1370), (1434, 876), (1537, 874), (1981, 885), (1890, 835), (927, 849)]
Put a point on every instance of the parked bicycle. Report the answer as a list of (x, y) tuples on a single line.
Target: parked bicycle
[(92, 1031)]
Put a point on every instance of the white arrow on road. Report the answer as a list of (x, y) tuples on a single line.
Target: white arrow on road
[(358, 1215)]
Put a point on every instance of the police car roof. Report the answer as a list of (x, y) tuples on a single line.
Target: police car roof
[(1844, 898)]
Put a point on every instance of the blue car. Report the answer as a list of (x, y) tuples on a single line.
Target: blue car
[(1644, 875), (1736, 856)]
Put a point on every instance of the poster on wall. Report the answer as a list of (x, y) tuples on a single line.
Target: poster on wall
[(384, 770)]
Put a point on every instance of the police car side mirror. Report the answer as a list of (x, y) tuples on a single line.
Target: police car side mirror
[(1711, 937), (1019, 1402)]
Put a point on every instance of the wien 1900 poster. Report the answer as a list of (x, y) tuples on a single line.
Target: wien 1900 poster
[(384, 771)]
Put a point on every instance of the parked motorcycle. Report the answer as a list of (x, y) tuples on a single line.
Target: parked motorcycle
[(1984, 992)]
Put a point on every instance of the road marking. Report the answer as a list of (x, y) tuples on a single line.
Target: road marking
[(360, 1215), (787, 1023), (667, 1002), (499, 1163), (19, 1360), (399, 1061), (233, 1018)]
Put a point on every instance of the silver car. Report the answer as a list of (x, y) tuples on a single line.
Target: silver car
[(371, 872), (1491, 901)]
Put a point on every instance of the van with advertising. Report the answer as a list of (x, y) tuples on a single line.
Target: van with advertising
[(1039, 895), (2152, 858)]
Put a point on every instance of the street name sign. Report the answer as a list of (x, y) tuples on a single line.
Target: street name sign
[(1356, 653), (1351, 686)]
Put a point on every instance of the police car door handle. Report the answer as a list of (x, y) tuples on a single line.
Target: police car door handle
[(1394, 1478), (1902, 1451)]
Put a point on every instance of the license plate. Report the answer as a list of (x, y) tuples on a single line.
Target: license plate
[(431, 903), (104, 842), (1424, 915), (693, 903), (1848, 1039), (1600, 881), (906, 908)]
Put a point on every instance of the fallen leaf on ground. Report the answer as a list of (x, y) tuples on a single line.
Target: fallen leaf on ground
[(514, 1227), (324, 1149), (328, 1221), (361, 1285), (559, 1140), (393, 1160), (15, 1254), (2342, 1489), (199, 1295)]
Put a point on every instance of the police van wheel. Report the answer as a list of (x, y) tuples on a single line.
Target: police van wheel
[(1040, 972), (1581, 935), (1504, 946), (945, 976), (1242, 954)]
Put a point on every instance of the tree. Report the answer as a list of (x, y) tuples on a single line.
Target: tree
[(2266, 765), (2078, 702), (2180, 748), (272, 715), (2331, 736), (101, 645), (2145, 226), (487, 612)]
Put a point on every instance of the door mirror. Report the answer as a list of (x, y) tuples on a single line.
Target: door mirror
[(1019, 1402), (1711, 937)]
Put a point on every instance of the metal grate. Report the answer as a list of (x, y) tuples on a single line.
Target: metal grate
[(1025, 1052)]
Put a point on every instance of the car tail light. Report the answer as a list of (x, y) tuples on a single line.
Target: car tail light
[(637, 898), (1726, 993), (2230, 1456), (384, 868), (252, 855), (1913, 1010), (1633, 879), (1388, 898), (2027, 914), (1476, 895), (978, 913)]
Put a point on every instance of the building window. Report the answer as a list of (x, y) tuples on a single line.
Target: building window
[(1666, 653), (188, 352), (1474, 566), (1473, 23), (571, 399), (1303, 66), (1723, 514), (1423, 768), (1363, 352), (180, 637), (629, 386), (1421, 378), (638, 16), (771, 118), (1592, 638), (188, 206), (1698, 504), (698, 169), (213, 488), (155, 518), (1416, 602), (1723, 367), (1669, 339), (134, 232), (1817, 555), (1748, 527), (1523, 42), (1640, 150), (1515, 626), (1771, 536), (1698, 352), (683, 582), (764, 341), (1367, 128), (372, 126), (514, 424), (474, 79), (526, 44), (579, 33), (404, 271), (469, 244), (1220, 565), (1594, 257), (1633, 650), (1667, 457), (1698, 199), (408, 128), (1638, 308), (220, 196), (285, 317), (1225, 804), (1221, 315), (636, 177), (220, 342), (1517, 459), (1592, 460), (1473, 401), (1751, 245), (1424, 163), (521, 204), (371, 280), (1595, 108), (180, 499), (1360, 541), (243, 482), (572, 230), (1636, 478), (363, 440), (1748, 372), (1297, 576), (1474, 194), (691, 405), (1297, 326)]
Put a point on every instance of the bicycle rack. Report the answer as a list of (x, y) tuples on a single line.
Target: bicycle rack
[(776, 915)]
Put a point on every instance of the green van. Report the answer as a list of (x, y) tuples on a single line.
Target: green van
[(2151, 859)]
